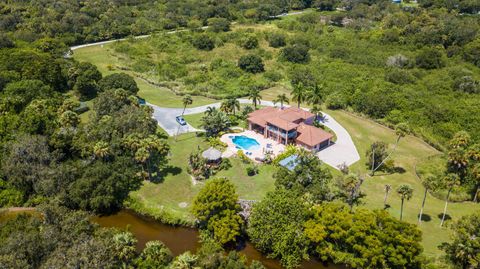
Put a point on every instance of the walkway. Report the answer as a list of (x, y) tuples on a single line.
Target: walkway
[(343, 151)]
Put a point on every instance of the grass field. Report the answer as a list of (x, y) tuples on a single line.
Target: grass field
[(410, 151), (107, 63), (171, 198)]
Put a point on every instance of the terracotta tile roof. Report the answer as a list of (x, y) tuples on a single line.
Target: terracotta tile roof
[(281, 118), (300, 112), (281, 123), (312, 136), (258, 121)]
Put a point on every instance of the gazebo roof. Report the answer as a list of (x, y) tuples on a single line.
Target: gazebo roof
[(212, 154)]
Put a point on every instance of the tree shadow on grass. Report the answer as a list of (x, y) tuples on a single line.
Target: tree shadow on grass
[(447, 216), (399, 170), (425, 217), (169, 170)]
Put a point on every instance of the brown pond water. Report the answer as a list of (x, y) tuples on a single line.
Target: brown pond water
[(178, 239)]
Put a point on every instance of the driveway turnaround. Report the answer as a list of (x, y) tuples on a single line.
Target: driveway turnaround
[(342, 151)]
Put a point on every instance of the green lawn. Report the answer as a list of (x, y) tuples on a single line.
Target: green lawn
[(194, 119), (171, 198)]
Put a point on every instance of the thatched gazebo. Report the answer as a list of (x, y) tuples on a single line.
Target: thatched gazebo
[(212, 155)]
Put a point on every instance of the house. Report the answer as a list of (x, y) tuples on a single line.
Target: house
[(289, 126)]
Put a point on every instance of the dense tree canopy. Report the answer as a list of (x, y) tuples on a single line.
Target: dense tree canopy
[(275, 227), (364, 239), (216, 208)]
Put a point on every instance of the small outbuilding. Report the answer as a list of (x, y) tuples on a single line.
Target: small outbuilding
[(212, 155)]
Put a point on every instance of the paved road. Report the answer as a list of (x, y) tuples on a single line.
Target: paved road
[(343, 151)]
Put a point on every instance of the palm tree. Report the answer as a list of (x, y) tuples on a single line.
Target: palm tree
[(142, 155), (255, 96), (233, 104), (101, 150), (406, 192), (210, 110), (225, 107), (476, 176), (450, 181), (187, 100), (430, 183), (460, 140), (388, 188), (401, 130), (281, 98), (316, 110), (299, 93), (351, 185), (315, 95)]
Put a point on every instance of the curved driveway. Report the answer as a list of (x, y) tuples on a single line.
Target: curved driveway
[(342, 151)]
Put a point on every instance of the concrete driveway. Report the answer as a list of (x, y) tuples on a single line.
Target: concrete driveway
[(342, 151)]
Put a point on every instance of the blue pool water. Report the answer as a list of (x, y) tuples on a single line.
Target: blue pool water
[(245, 143)]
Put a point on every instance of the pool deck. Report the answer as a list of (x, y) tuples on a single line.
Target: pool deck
[(276, 148)]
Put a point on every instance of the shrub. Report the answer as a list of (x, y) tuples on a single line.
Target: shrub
[(119, 81), (398, 60), (203, 42), (252, 170), (466, 84), (244, 158), (6, 42), (335, 101), (273, 75), (472, 52), (218, 25), (340, 52), (295, 53), (249, 42), (430, 58), (399, 76), (251, 63), (276, 40), (225, 164)]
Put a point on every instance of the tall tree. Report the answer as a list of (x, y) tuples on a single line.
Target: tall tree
[(276, 226), (216, 207), (317, 111), (364, 239), (299, 93), (430, 183), (215, 122), (254, 95), (376, 154), (401, 130), (475, 172), (186, 100), (388, 188), (450, 181), (406, 192), (315, 95), (281, 98), (350, 185), (231, 104), (464, 248)]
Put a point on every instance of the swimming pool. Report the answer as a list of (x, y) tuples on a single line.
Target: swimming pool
[(245, 143)]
